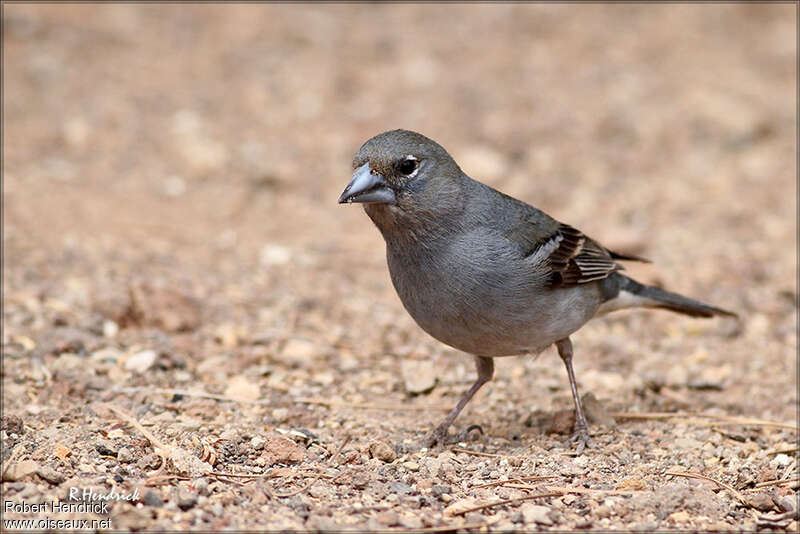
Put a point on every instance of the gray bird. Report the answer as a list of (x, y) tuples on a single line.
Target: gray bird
[(484, 272)]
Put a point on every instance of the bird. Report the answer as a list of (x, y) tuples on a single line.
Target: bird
[(486, 273)]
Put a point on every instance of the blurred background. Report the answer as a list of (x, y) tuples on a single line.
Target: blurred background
[(170, 177)]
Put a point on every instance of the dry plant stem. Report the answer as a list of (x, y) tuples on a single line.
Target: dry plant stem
[(186, 393), (476, 453), (449, 528), (720, 419), (160, 448), (313, 480), (717, 482), (14, 454), (565, 490), (519, 480), (508, 501), (368, 406), (777, 482)]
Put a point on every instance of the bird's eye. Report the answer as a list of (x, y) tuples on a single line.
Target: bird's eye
[(409, 165)]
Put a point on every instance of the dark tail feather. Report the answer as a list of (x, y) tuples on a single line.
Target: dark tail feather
[(628, 257), (674, 302)]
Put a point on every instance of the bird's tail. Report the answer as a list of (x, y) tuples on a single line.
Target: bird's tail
[(632, 293)]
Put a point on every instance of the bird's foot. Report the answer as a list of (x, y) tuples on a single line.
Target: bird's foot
[(580, 438), (440, 436)]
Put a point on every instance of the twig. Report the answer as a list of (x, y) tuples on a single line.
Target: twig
[(448, 528), (785, 450), (520, 480), (777, 482), (315, 479), (14, 454), (186, 393), (720, 419), (507, 501), (717, 482), (138, 426), (564, 490), (476, 453), (368, 406)]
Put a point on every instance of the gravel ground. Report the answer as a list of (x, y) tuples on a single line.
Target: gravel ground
[(190, 320)]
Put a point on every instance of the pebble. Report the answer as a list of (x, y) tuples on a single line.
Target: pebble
[(760, 501), (257, 443), (201, 486), (680, 517), (382, 451), (411, 466), (439, 489), (125, 455), (51, 475), (186, 499), (535, 513), (388, 518), (141, 361), (278, 449), (419, 376), (106, 448), (298, 351), (151, 498)]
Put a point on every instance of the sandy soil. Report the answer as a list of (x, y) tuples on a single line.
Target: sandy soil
[(190, 318)]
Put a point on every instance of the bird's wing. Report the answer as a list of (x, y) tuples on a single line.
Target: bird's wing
[(568, 256)]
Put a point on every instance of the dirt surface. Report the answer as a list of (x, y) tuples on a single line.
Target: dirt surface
[(191, 321)]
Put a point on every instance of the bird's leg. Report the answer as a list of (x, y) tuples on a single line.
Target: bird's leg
[(439, 435), (581, 431)]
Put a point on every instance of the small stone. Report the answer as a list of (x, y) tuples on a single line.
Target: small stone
[(460, 506), (602, 511), (411, 466), (272, 254), (535, 513), (125, 455), (141, 361), (632, 483), (51, 475), (419, 376), (388, 518), (153, 499), (400, 488), (150, 462), (106, 448), (787, 503), (782, 460), (760, 501), (186, 499), (298, 351), (439, 489), (257, 443), (278, 449), (20, 470), (382, 451), (680, 517), (201, 486), (110, 328)]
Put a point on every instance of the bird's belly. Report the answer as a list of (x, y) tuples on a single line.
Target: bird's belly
[(494, 319)]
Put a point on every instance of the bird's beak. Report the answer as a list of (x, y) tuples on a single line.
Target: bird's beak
[(367, 187)]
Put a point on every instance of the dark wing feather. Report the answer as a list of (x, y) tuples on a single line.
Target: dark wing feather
[(571, 257)]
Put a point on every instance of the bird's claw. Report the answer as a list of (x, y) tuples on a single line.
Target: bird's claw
[(580, 438), (440, 436)]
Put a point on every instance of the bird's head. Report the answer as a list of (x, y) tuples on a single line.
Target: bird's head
[(403, 178)]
